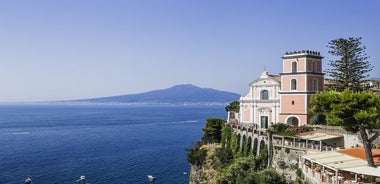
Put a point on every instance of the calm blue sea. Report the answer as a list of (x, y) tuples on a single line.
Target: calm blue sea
[(107, 144)]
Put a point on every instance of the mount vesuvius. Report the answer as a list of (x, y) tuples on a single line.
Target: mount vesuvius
[(179, 94)]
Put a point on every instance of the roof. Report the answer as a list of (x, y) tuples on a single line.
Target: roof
[(277, 78), (338, 160), (266, 76), (316, 136), (360, 153)]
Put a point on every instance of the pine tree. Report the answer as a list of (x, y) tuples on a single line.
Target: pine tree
[(356, 112), (352, 68)]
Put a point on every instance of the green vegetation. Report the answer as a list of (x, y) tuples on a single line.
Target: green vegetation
[(230, 163), (247, 170), (223, 157), (234, 106), (195, 155), (349, 105), (226, 136), (354, 111), (286, 130), (234, 143), (318, 119), (269, 176), (352, 68), (212, 133), (300, 176)]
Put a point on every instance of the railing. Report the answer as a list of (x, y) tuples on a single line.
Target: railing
[(250, 128), (282, 141)]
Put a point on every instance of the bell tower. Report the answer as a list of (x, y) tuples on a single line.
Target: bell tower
[(302, 77)]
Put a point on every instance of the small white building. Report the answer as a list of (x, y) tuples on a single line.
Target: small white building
[(261, 105)]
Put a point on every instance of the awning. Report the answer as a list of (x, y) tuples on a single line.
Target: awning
[(319, 136), (340, 161), (366, 170)]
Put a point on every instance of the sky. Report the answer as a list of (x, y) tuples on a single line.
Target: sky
[(75, 49)]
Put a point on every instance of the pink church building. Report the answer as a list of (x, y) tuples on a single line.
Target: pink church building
[(283, 98)]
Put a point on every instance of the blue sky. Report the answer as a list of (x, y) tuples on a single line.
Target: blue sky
[(58, 50)]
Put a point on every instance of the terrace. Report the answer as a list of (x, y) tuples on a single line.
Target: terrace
[(339, 167), (310, 141)]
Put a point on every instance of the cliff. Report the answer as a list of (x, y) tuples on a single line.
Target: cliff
[(205, 173), (233, 161)]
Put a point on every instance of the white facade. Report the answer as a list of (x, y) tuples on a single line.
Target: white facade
[(261, 106)]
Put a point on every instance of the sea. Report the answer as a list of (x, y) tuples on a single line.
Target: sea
[(108, 144)]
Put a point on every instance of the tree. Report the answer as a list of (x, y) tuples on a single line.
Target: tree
[(318, 119), (224, 156), (351, 69), (233, 106), (357, 112), (269, 176), (227, 132), (195, 155), (237, 171), (212, 133)]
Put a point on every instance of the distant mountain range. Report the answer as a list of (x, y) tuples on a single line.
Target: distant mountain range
[(179, 94)]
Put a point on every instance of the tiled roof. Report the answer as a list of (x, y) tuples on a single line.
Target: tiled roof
[(360, 153)]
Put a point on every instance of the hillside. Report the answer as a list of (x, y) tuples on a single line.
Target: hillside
[(179, 94)]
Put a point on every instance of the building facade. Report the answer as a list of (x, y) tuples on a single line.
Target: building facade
[(262, 103), (283, 98)]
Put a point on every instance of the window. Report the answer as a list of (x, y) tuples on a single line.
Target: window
[(315, 84), (293, 84), (314, 67), (264, 121), (294, 67), (264, 95)]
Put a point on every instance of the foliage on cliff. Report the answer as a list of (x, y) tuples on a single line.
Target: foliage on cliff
[(233, 106), (228, 162), (240, 165), (195, 155), (212, 133)]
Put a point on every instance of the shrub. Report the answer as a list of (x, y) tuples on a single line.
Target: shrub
[(224, 156), (212, 133), (196, 155)]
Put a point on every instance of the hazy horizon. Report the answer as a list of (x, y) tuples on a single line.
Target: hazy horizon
[(66, 50)]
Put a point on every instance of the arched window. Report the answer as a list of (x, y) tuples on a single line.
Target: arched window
[(264, 95), (314, 67), (294, 84), (294, 67), (315, 84)]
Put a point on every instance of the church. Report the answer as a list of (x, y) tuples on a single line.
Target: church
[(283, 98)]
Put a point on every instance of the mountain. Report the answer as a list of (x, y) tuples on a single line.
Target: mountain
[(179, 94)]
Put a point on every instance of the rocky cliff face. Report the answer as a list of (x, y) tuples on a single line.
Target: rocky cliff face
[(206, 173), (196, 175), (284, 161)]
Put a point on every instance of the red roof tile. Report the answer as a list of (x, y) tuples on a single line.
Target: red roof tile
[(360, 153)]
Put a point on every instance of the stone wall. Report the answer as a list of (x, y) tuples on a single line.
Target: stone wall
[(285, 161)]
